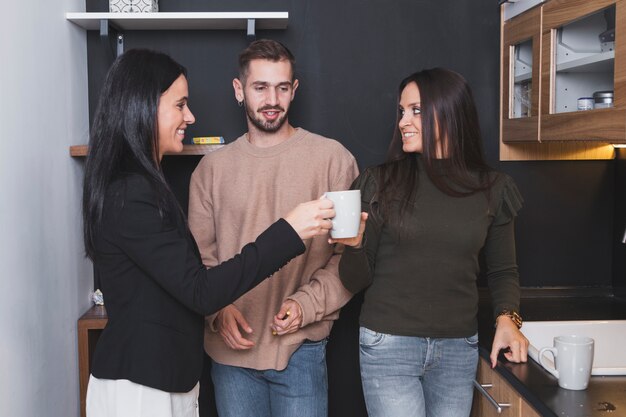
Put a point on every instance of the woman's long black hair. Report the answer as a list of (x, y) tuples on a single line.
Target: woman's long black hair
[(448, 115), (124, 136)]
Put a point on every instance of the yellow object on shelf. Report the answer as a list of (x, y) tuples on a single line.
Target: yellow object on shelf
[(208, 140)]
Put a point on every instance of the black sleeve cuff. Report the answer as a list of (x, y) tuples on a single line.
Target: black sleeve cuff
[(277, 245), (353, 269)]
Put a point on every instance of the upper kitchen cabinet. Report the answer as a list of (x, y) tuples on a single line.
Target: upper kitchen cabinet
[(555, 58)]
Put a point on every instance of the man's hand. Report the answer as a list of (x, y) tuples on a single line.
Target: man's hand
[(288, 319), (228, 322)]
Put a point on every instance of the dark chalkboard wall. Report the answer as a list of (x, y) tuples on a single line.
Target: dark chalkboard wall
[(351, 54), (619, 251)]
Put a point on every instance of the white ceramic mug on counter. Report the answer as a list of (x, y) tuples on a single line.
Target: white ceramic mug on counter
[(573, 359), (347, 213)]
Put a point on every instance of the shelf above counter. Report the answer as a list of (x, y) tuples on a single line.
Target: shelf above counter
[(181, 21), (82, 150), (600, 62)]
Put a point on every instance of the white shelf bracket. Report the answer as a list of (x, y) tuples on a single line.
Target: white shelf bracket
[(251, 28), (104, 36), (120, 44)]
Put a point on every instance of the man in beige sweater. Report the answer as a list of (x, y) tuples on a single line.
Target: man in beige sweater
[(268, 348)]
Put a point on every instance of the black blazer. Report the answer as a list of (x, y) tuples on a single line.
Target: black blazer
[(157, 291)]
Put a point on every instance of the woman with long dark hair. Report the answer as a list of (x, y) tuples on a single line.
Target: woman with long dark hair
[(433, 207), (149, 357)]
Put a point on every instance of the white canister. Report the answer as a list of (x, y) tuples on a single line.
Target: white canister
[(585, 103)]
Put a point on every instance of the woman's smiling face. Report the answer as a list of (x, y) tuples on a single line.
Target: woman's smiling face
[(173, 117), (410, 123)]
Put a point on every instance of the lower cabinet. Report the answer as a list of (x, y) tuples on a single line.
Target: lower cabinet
[(90, 326), (495, 397)]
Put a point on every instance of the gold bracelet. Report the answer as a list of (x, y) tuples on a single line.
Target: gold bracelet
[(513, 315)]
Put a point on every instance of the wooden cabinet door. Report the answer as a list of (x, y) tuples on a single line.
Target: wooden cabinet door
[(527, 411), (499, 390), (559, 121), (520, 34), (502, 392)]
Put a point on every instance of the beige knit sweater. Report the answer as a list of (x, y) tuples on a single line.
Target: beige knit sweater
[(235, 194)]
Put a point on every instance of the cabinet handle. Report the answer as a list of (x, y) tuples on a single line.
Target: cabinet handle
[(481, 388)]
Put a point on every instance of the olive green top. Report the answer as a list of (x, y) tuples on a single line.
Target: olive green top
[(422, 281)]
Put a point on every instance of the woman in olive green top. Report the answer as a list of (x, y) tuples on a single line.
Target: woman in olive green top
[(433, 207)]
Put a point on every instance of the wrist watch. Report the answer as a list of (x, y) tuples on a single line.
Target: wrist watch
[(513, 315)]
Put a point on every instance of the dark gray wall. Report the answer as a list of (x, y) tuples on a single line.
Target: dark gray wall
[(619, 251), (351, 55)]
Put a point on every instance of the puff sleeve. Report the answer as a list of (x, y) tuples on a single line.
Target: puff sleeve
[(356, 268), (499, 250)]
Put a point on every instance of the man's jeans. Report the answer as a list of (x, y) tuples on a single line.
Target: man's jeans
[(406, 376), (300, 390)]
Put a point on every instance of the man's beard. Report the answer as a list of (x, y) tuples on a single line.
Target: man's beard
[(262, 125)]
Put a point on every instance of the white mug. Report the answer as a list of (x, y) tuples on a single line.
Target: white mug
[(573, 359), (347, 213)]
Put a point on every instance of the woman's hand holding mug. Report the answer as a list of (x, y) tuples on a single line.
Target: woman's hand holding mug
[(312, 218)]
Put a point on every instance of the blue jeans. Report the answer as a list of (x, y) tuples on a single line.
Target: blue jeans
[(299, 390), (406, 376)]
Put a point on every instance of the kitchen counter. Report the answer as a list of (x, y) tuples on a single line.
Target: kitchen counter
[(605, 396)]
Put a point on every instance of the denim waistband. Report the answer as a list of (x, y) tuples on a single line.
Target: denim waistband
[(310, 342)]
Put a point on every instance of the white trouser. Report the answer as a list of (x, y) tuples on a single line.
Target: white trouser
[(123, 398)]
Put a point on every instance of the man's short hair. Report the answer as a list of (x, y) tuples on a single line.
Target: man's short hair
[(264, 49)]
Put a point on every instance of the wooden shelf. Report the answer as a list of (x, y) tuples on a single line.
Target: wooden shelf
[(82, 150), (181, 21)]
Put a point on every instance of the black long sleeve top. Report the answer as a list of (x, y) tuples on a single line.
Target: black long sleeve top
[(421, 280)]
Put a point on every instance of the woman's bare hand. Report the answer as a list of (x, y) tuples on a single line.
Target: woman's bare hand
[(357, 241), (312, 218)]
